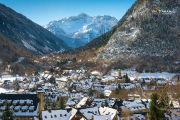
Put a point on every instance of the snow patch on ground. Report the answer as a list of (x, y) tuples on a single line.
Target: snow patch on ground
[(11, 78), (20, 60), (28, 46), (31, 36), (133, 74), (3, 14), (3, 90), (47, 49), (61, 50), (34, 42)]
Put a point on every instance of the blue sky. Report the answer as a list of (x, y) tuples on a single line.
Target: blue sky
[(44, 11)]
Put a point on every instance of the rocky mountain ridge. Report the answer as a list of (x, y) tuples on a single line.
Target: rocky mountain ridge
[(81, 29)]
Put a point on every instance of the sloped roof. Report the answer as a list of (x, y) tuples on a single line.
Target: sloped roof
[(21, 97)]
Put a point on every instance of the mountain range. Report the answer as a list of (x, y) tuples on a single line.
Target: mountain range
[(142, 34), (81, 29)]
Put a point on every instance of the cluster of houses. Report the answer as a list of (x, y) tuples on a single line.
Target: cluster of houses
[(28, 102)]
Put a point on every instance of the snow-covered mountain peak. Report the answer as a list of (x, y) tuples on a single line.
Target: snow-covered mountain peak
[(82, 27)]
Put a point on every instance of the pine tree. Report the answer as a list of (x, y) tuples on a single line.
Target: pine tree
[(106, 103), (47, 103), (143, 82), (155, 112), (45, 107), (127, 80), (7, 113), (116, 91), (123, 87), (54, 104), (90, 93), (119, 86), (102, 95), (61, 103)]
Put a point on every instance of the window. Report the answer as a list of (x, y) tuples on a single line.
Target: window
[(45, 117), (55, 116), (60, 115), (95, 112), (51, 116)]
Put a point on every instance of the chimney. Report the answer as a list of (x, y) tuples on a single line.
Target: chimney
[(92, 117), (40, 95)]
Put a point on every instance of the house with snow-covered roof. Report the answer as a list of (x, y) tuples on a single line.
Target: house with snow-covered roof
[(98, 102), (108, 78), (63, 93), (71, 103), (110, 87), (77, 86), (134, 96), (109, 111), (134, 105), (62, 81), (85, 102), (56, 114), (127, 85), (161, 83), (25, 106), (76, 94), (98, 86), (86, 86), (102, 113), (136, 116), (107, 93), (90, 112)]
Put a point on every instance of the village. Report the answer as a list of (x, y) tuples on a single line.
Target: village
[(89, 60), (80, 95)]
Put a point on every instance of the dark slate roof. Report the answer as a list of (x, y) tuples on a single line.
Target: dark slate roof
[(143, 113), (13, 97)]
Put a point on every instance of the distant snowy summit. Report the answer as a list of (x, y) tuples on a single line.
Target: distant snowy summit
[(81, 29)]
